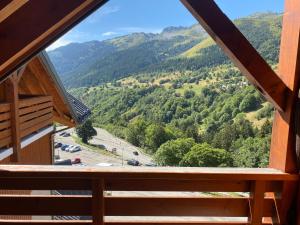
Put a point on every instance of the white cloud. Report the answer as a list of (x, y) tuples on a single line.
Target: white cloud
[(59, 43), (109, 33)]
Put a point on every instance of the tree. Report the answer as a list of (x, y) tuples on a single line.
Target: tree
[(155, 136), (86, 131), (172, 152), (203, 155), (225, 137), (136, 132), (251, 152), (249, 103), (189, 94)]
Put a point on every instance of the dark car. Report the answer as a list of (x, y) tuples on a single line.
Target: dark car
[(57, 145), (66, 134), (133, 162), (136, 153), (62, 134), (63, 147)]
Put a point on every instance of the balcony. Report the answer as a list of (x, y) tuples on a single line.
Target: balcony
[(123, 196), (34, 113)]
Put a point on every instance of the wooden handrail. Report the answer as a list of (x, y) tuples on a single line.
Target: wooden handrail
[(103, 207)]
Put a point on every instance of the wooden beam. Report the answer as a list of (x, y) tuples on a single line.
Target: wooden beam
[(257, 195), (10, 8), (12, 96), (283, 149), (239, 50), (57, 18), (283, 154), (20, 72), (98, 202)]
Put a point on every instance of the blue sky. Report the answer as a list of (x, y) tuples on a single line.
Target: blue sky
[(121, 17)]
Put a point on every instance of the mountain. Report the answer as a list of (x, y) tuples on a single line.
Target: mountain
[(175, 48), (92, 63)]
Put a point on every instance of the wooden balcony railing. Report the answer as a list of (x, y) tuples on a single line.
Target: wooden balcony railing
[(127, 196), (5, 130), (35, 113)]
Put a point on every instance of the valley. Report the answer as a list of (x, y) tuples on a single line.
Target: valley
[(175, 94)]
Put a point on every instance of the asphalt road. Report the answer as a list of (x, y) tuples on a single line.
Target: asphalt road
[(90, 157)]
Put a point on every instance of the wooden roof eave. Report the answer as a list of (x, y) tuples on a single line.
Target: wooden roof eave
[(48, 20), (48, 66)]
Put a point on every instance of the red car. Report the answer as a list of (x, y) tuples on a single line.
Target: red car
[(76, 161)]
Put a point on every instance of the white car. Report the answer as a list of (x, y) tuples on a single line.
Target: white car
[(75, 149), (69, 148)]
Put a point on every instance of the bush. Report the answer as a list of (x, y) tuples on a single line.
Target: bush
[(172, 152), (203, 155)]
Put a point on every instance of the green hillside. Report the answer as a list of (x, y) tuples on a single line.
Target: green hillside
[(177, 96)]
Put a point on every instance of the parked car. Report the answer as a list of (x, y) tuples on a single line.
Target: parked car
[(136, 153), (66, 134), (63, 162), (76, 161), (102, 146), (64, 146), (69, 148), (57, 144), (151, 164), (133, 162), (62, 134), (75, 149)]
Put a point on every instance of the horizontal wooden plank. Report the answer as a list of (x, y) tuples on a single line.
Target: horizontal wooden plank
[(36, 127), (130, 221), (35, 121), (33, 115), (45, 205), (5, 124), (4, 107), (219, 222), (4, 116), (5, 133), (45, 184), (184, 185), (35, 108), (171, 173), (34, 100), (183, 206), (174, 220), (45, 222), (5, 141)]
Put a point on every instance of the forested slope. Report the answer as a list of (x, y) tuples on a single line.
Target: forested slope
[(176, 95)]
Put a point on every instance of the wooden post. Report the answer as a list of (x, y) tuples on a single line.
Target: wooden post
[(283, 149), (12, 96), (257, 195), (98, 202)]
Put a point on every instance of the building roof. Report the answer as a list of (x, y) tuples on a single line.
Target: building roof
[(82, 112), (79, 111)]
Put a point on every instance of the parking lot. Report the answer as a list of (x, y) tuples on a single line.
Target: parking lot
[(90, 157)]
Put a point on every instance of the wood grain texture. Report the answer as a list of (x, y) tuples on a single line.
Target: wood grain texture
[(12, 96), (57, 16)]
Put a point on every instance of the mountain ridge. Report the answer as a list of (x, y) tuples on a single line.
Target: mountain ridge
[(96, 62)]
